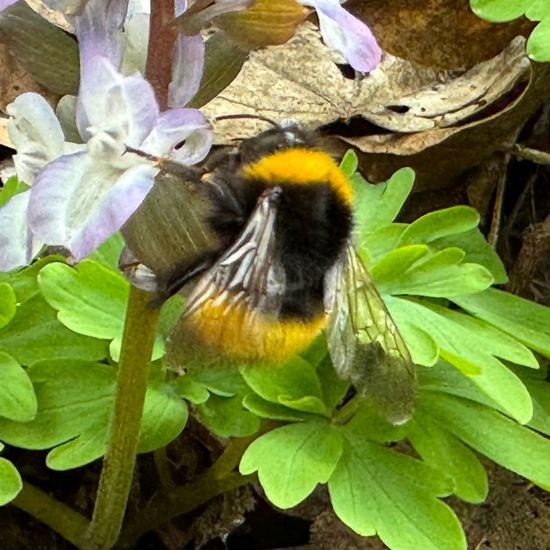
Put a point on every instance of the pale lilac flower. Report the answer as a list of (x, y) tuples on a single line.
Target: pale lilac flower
[(6, 4), (83, 193), (347, 35)]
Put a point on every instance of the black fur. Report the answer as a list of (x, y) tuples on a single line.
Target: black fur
[(312, 225)]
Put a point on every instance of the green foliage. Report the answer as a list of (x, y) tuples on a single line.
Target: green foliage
[(480, 388), (74, 402), (498, 11), (10, 481), (11, 188), (90, 300)]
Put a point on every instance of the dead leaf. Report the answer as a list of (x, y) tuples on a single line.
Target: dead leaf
[(397, 96), (264, 23), (437, 33), (14, 80)]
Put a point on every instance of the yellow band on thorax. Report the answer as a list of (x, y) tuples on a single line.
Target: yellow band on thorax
[(299, 165)]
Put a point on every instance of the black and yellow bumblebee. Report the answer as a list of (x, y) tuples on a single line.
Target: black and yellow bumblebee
[(283, 268)]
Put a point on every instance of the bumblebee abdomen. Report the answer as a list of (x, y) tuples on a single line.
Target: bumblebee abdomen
[(241, 333)]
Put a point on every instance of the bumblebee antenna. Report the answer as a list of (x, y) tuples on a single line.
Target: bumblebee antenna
[(258, 117)]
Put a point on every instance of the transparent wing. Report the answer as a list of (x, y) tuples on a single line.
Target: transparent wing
[(364, 342), (227, 310), (249, 271)]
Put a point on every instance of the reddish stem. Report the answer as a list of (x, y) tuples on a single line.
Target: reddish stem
[(160, 51)]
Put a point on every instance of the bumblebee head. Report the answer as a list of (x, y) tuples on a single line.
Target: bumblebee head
[(275, 139)]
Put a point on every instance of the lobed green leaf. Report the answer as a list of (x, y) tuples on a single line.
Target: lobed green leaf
[(292, 460), (10, 481), (17, 398), (375, 490)]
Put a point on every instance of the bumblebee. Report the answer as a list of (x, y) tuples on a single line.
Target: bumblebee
[(285, 268)]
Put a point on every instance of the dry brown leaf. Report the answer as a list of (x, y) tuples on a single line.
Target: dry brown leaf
[(53, 16), (300, 81), (437, 33), (14, 80)]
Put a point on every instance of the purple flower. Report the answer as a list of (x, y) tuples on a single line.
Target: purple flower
[(83, 193), (347, 35)]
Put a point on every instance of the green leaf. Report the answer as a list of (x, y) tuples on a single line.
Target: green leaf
[(349, 163), (333, 387), (381, 242), (439, 224), (526, 321), (11, 188), (499, 11), (514, 447), (468, 351), (8, 304), (377, 205), (294, 384), (108, 253), (292, 460), (375, 490), (369, 423), (17, 398), (538, 10), (10, 481), (226, 417), (538, 45), (164, 417), (91, 300), (498, 343), (190, 389), (222, 380), (35, 334), (540, 394), (478, 251), (442, 274), (443, 451), (74, 404), (24, 281), (265, 409)]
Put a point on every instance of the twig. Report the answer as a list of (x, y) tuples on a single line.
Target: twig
[(532, 155)]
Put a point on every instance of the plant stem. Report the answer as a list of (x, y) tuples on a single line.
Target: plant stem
[(160, 50), (120, 458), (58, 516), (165, 506), (346, 413)]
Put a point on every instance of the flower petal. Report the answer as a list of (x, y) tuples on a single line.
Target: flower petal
[(347, 35), (123, 106), (36, 134), (176, 126), (78, 201), (187, 69), (98, 31), (17, 244), (6, 4)]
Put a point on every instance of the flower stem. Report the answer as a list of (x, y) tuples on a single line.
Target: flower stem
[(165, 506), (160, 51), (58, 516), (120, 458)]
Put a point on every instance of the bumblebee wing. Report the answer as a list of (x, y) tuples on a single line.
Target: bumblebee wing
[(249, 271), (364, 342), (227, 309)]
